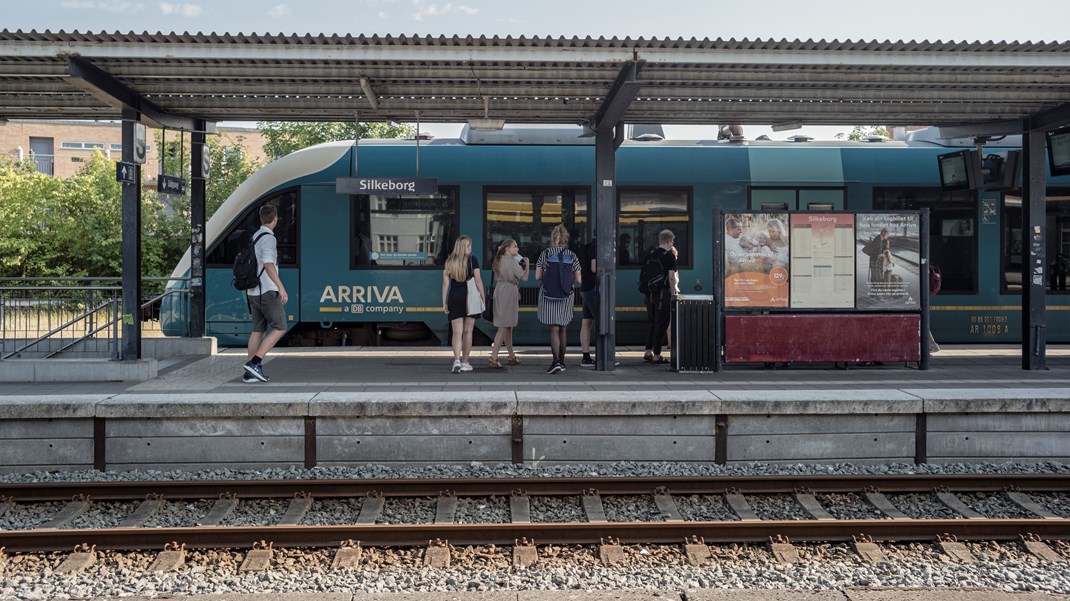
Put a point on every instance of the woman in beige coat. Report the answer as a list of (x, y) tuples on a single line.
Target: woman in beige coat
[(509, 269)]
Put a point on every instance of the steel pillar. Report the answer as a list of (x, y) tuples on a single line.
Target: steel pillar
[(131, 244), (198, 177), (605, 169), (1034, 264)]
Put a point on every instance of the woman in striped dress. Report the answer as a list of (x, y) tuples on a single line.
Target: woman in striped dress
[(558, 269)]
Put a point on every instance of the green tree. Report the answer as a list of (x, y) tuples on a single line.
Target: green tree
[(284, 137), (26, 201), (861, 132)]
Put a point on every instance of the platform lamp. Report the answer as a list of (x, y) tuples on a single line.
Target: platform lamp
[(485, 123)]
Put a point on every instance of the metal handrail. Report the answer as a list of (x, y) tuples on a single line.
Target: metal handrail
[(110, 323), (59, 329)]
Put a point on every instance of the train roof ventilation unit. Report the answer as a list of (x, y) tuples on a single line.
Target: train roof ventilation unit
[(732, 133), (800, 138), (645, 132), (875, 138)]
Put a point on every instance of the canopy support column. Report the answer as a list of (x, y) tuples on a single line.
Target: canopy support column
[(608, 125), (1034, 265), (198, 189), (131, 247)]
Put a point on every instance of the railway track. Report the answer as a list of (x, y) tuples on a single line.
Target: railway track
[(668, 518)]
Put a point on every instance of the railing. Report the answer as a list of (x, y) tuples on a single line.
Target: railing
[(44, 317)]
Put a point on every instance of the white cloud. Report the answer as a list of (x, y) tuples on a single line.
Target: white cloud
[(382, 15), (425, 10), (184, 9), (279, 11), (112, 6)]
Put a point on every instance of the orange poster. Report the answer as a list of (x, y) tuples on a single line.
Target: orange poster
[(756, 260)]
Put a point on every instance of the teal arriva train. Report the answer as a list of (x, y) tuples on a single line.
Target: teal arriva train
[(366, 269)]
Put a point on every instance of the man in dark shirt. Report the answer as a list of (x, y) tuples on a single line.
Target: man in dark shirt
[(589, 292), (659, 302)]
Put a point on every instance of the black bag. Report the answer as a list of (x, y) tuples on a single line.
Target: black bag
[(652, 277), (873, 247), (245, 273)]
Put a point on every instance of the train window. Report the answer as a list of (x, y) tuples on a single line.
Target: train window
[(952, 245), (644, 212), (402, 231), (529, 215), (792, 199), (226, 249), (1057, 253)]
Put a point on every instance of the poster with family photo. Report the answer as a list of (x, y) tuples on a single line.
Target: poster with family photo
[(888, 261), (756, 260)]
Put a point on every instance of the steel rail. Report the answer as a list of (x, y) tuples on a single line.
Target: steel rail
[(190, 489), (239, 537)]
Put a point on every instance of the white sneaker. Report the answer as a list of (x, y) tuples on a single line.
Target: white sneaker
[(466, 367), (456, 366)]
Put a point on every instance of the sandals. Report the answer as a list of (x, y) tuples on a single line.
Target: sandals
[(493, 363), (659, 360), (649, 356), (513, 361)]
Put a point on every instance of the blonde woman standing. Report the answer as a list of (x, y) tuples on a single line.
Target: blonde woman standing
[(461, 267), (558, 269), (509, 270)]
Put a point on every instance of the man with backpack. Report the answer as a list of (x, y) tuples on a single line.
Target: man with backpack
[(267, 299), (657, 280)]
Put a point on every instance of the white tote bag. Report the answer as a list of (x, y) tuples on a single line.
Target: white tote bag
[(475, 302)]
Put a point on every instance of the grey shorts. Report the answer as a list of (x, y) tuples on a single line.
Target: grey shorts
[(267, 311), (590, 304)]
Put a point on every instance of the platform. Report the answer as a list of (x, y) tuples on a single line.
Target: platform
[(402, 406)]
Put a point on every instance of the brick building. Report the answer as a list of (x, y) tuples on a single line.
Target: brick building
[(60, 148)]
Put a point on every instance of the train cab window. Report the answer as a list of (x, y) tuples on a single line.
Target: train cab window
[(529, 215), (952, 231), (1057, 253), (410, 231), (228, 246), (643, 213)]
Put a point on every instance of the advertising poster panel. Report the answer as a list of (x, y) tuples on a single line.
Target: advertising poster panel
[(822, 260), (756, 260), (888, 261)]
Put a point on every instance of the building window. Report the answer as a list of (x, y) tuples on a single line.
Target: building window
[(402, 231), (1057, 252), (82, 145), (529, 215), (42, 154), (952, 231), (643, 213)]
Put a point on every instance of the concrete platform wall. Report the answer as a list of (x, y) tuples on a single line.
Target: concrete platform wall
[(194, 431)]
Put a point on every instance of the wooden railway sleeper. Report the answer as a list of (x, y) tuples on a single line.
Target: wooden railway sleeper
[(299, 506), (519, 507), (809, 502), (171, 558), (1022, 500), (739, 504), (84, 555), (950, 545), (371, 507), (76, 507), (953, 502), (226, 503), (348, 555), (782, 549), (259, 558), (1039, 548), (153, 502), (525, 554), (867, 548), (610, 551), (437, 554), (592, 505), (883, 504), (666, 505), (446, 509), (696, 550)]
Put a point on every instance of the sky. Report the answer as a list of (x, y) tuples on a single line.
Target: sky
[(974, 20)]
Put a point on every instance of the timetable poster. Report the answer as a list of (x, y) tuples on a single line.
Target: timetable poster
[(887, 261), (756, 260), (822, 260)]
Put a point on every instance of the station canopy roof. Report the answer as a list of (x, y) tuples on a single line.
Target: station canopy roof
[(254, 77)]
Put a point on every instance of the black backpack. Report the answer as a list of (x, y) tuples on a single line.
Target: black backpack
[(558, 277), (245, 273), (652, 277)]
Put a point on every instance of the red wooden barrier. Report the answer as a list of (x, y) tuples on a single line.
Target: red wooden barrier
[(817, 337)]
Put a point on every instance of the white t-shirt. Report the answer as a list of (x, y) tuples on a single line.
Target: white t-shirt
[(266, 252)]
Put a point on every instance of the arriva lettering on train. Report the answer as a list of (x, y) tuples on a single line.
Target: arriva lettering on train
[(362, 294)]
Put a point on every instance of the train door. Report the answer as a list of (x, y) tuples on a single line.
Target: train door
[(374, 264), (226, 309), (768, 198)]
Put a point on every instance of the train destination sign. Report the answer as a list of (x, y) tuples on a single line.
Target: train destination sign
[(387, 185)]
